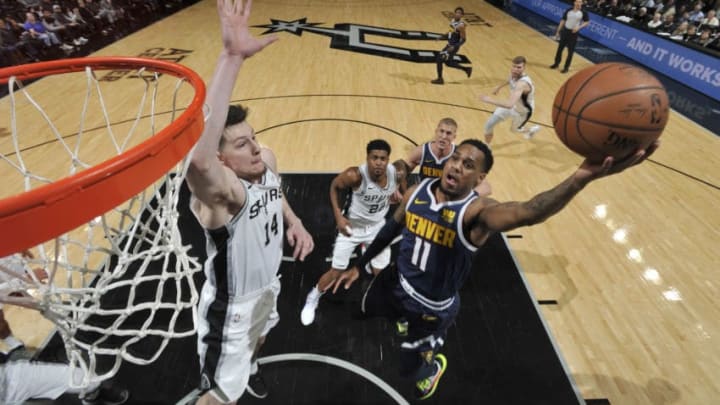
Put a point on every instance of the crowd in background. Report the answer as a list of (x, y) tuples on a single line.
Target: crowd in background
[(38, 30), (692, 22)]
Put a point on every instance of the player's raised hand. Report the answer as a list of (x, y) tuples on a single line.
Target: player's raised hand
[(346, 279), (590, 170), (300, 240), (236, 36)]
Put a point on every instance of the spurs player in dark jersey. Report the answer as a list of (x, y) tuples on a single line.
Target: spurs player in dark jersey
[(236, 197), (455, 38), (518, 107), (442, 222), (373, 186)]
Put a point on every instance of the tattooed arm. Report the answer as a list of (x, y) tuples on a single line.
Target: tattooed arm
[(487, 216)]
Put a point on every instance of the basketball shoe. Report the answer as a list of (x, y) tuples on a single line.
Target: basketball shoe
[(532, 131), (307, 315), (425, 388)]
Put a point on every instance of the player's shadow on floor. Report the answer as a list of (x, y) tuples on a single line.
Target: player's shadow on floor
[(657, 390), (549, 155), (554, 267)]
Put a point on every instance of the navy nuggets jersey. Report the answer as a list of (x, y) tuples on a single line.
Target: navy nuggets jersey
[(454, 34), (430, 166), (435, 258)]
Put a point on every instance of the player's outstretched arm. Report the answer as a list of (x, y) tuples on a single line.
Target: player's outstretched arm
[(486, 216), (207, 177), (511, 101)]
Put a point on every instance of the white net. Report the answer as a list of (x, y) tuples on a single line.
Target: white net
[(122, 285)]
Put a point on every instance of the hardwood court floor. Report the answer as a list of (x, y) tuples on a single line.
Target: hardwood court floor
[(632, 262), (498, 339)]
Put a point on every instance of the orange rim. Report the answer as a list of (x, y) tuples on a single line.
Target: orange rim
[(43, 213)]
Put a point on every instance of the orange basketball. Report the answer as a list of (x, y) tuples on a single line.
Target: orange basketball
[(610, 109)]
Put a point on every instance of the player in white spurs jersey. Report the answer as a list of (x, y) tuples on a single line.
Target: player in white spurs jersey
[(373, 185), (519, 106), (238, 200)]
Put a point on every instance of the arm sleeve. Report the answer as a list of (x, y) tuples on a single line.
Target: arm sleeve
[(383, 239)]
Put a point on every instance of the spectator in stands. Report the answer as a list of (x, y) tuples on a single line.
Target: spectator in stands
[(668, 24), (680, 31), (611, 9), (45, 5), (691, 34), (641, 19), (710, 20), (92, 6), (37, 30), (682, 16), (648, 4), (626, 9), (705, 39), (656, 22), (696, 15), (62, 33), (659, 6), (89, 16), (669, 8), (108, 11), (30, 3), (16, 49), (73, 31)]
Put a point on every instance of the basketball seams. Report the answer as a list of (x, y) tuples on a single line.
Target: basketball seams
[(611, 124), (562, 98), (574, 97), (608, 105)]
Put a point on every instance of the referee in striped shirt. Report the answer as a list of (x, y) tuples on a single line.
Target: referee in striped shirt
[(574, 19)]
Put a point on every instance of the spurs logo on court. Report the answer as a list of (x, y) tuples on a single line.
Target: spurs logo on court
[(168, 54), (351, 37)]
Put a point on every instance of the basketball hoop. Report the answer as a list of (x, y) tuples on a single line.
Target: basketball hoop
[(103, 227)]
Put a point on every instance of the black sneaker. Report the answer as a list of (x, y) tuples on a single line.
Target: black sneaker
[(256, 386), (106, 396), (468, 71), (565, 70), (554, 66), (439, 80)]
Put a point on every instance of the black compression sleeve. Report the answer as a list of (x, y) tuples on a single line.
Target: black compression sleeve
[(388, 232)]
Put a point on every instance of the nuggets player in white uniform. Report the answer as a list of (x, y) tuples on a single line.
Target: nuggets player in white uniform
[(519, 106), (373, 185), (238, 200)]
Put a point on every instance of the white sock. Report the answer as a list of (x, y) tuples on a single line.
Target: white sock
[(315, 292), (12, 343)]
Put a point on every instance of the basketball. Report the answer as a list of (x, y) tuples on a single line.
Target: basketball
[(610, 109)]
